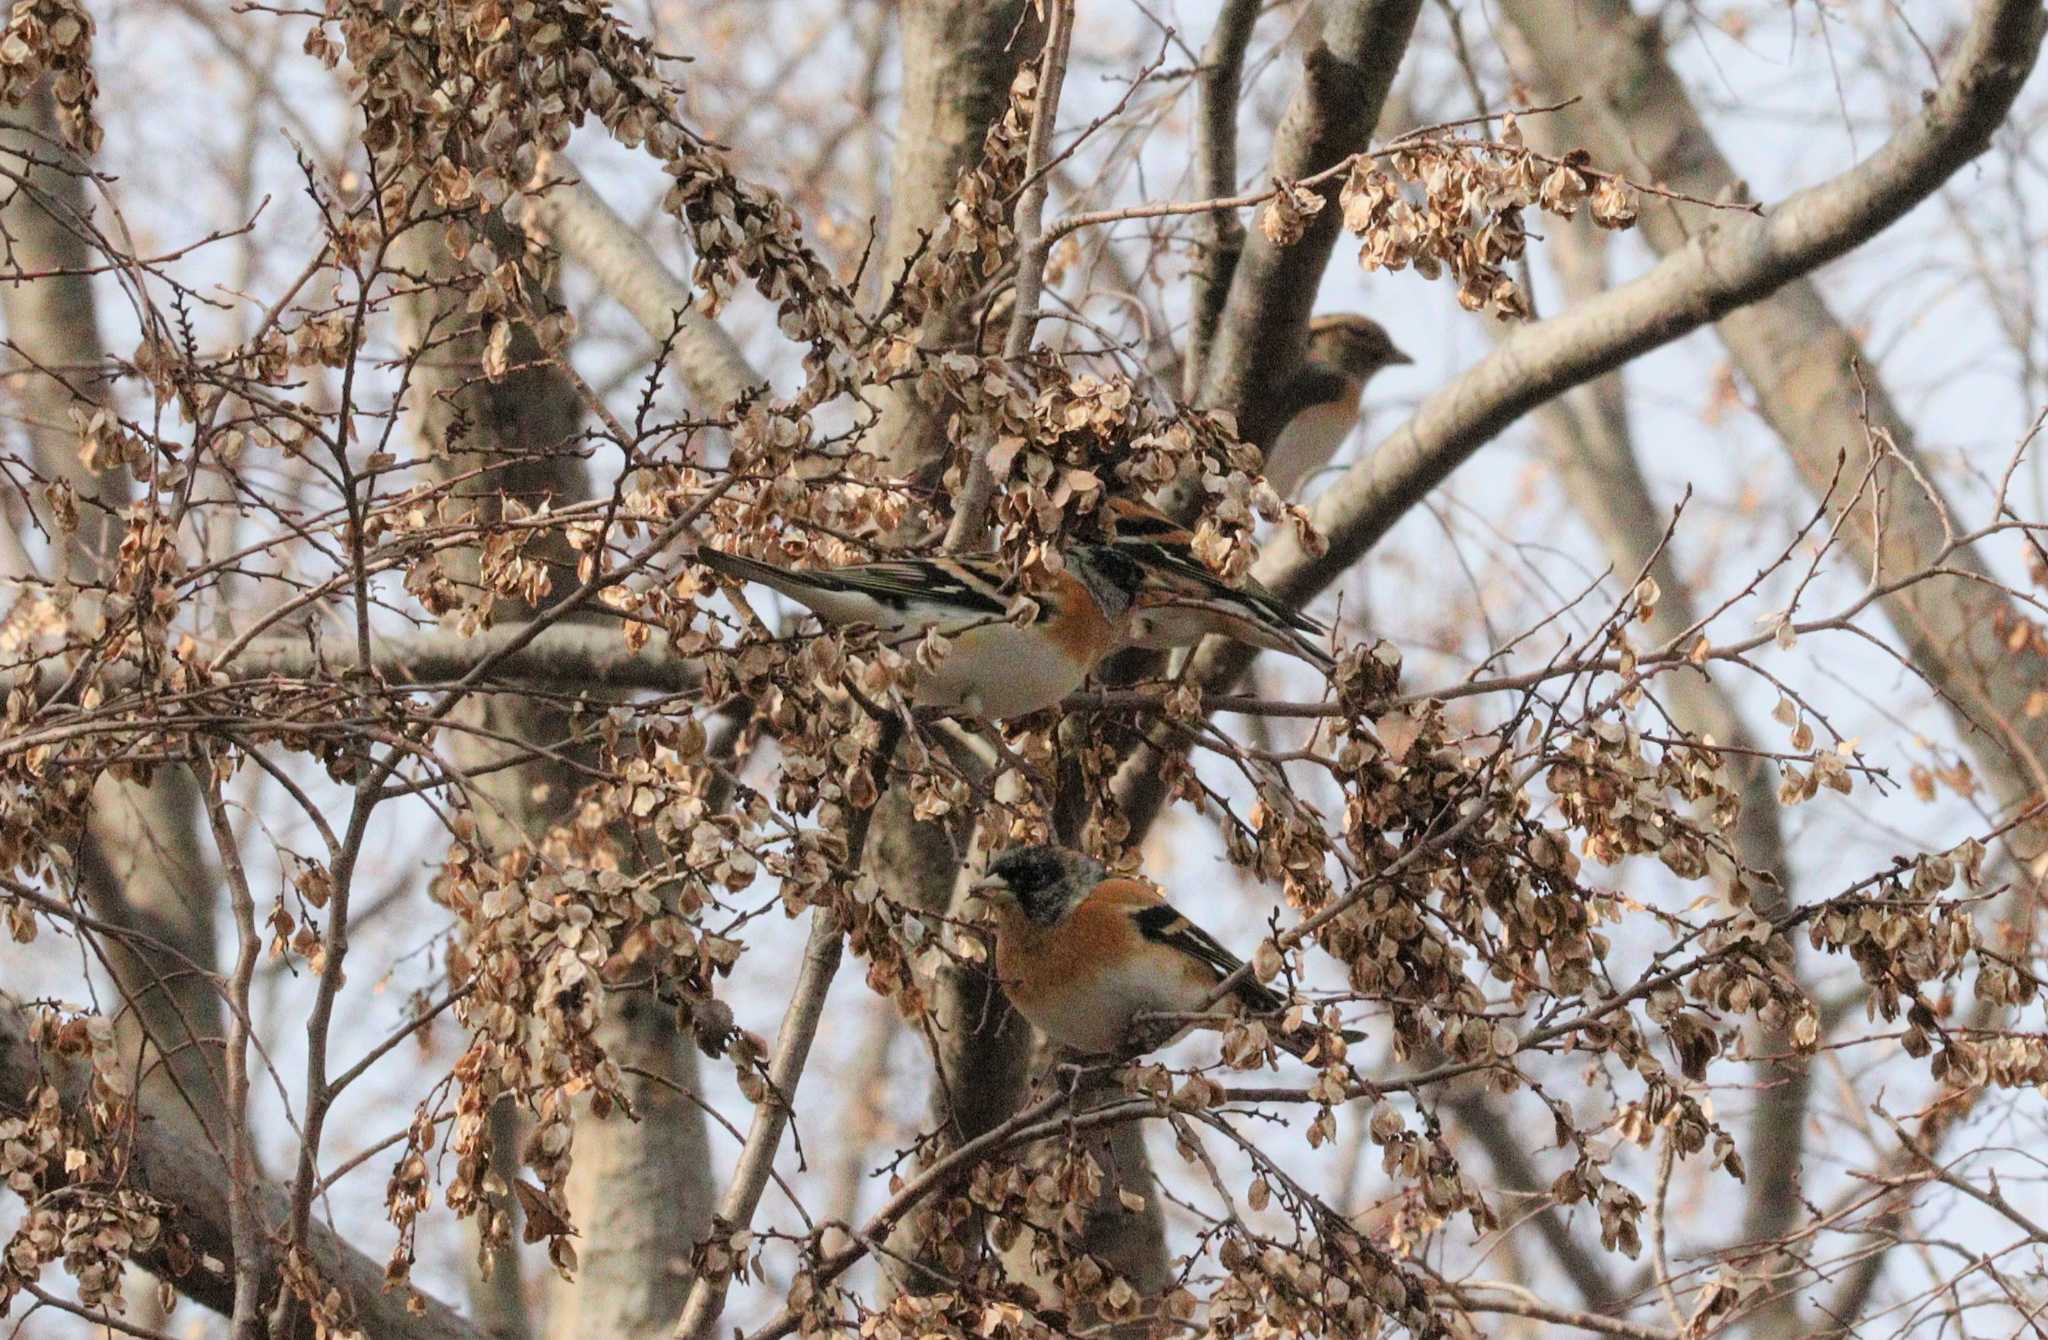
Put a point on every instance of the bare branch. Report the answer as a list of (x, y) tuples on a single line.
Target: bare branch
[(177, 1170), (577, 219), (1344, 81)]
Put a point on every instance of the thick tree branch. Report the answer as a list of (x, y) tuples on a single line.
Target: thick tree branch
[(969, 530), (1811, 379), (1344, 81), (1221, 85), (1719, 270), (587, 230), (188, 1177), (564, 654), (141, 861), (959, 57)]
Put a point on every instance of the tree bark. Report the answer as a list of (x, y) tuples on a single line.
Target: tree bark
[(141, 863), (180, 1169), (577, 220), (639, 1191), (959, 57)]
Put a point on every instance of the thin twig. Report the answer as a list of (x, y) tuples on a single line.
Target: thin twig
[(243, 1231), (822, 953), (969, 528)]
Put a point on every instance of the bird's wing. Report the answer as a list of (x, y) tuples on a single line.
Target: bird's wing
[(895, 584), (1162, 924), (1163, 546), (902, 582), (1315, 383), (1179, 572), (1132, 521)]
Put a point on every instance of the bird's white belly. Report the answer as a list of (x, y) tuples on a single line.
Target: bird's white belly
[(996, 669), (1307, 444), (1100, 1020)]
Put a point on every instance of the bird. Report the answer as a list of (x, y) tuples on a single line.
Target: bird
[(1182, 601), (1321, 399), (1082, 953), (997, 666)]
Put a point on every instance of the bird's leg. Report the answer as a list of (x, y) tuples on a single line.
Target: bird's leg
[(1068, 1075)]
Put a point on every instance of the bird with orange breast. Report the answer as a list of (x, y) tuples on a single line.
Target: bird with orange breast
[(1084, 954), (1322, 398), (1004, 659)]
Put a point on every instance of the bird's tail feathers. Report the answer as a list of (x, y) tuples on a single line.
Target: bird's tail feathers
[(1300, 1047), (1261, 1000), (1313, 654), (1275, 637)]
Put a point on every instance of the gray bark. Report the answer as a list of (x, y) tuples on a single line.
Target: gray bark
[(141, 862), (180, 1169), (639, 1191), (586, 229), (1260, 336), (959, 57)]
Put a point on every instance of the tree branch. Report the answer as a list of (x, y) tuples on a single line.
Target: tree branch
[(959, 58), (1344, 81), (970, 510), (822, 953), (1220, 84), (1811, 379), (1719, 270), (178, 1170), (588, 231)]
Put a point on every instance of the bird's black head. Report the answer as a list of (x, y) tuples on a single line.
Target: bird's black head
[(1112, 575), (1043, 879)]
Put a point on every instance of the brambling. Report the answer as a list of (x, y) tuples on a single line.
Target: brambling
[(998, 664), (1083, 953), (1322, 398), (1182, 601)]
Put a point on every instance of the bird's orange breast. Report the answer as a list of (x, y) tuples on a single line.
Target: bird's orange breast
[(1040, 963), (1077, 625)]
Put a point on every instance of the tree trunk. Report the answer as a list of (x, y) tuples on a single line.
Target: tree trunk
[(141, 863), (639, 1190)]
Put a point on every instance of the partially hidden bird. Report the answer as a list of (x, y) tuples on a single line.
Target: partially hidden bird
[(1083, 953), (996, 666), (1182, 601), (1321, 400)]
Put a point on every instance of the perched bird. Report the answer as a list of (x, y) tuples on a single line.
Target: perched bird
[(1082, 953), (996, 667), (1182, 602), (1322, 398)]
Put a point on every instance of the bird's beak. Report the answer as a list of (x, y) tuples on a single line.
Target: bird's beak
[(988, 889), (1396, 357)]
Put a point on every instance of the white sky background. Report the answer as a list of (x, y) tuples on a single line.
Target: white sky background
[(1798, 95)]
